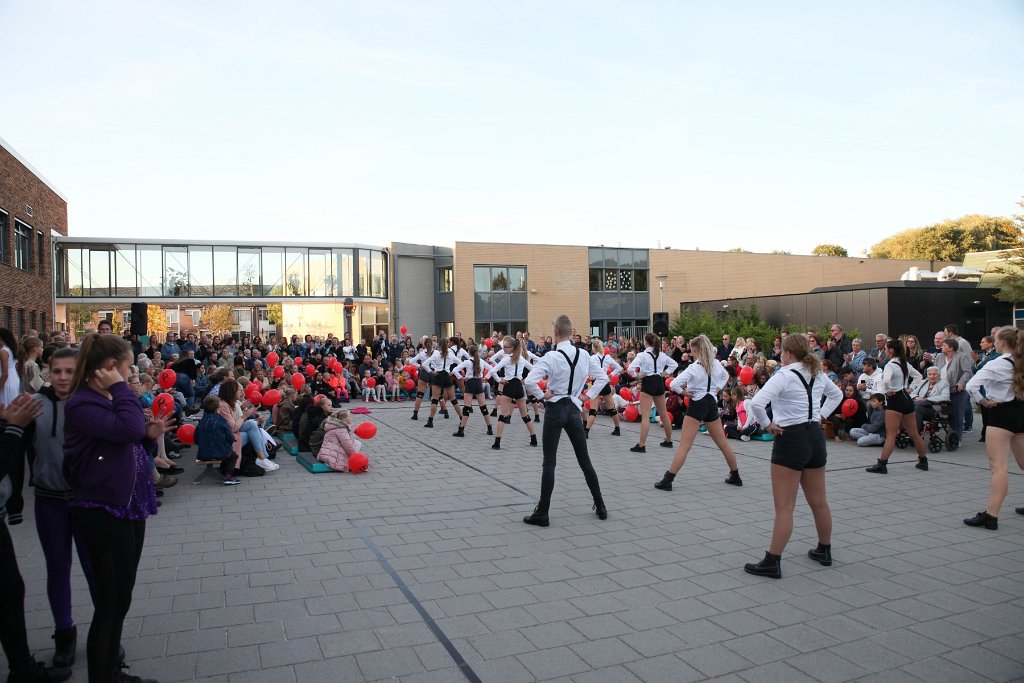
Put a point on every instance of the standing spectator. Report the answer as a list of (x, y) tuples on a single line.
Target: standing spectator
[(956, 371), (855, 358), (952, 332), (170, 347), (27, 366), (10, 383), (839, 345), (933, 354)]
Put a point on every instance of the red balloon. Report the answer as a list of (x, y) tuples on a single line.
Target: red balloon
[(410, 369), (371, 382), (403, 329), (542, 385), (410, 385), (849, 407), (255, 398), (586, 405), (187, 434), (668, 382), (625, 393), (631, 413), (746, 375), (686, 401), (279, 372), (273, 359), (310, 370), (271, 398), (357, 462), (318, 397), (489, 343), (298, 381), (607, 351), (366, 430), (163, 405), (167, 378)]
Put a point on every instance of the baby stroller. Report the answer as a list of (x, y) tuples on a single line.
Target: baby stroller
[(937, 432)]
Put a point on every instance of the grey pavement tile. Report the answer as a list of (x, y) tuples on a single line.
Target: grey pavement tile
[(664, 668), (287, 652), (987, 663), (335, 669), (400, 661), (940, 670), (554, 662), (714, 660)]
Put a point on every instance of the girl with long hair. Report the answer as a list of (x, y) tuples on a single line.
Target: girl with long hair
[(607, 362), (247, 432), (897, 378), (420, 361), (798, 452), (700, 382), (1003, 382), (27, 365), (106, 436), (10, 382), (514, 365), (441, 385), (652, 367), (474, 369)]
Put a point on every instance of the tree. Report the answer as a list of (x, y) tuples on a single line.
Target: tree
[(217, 319), (156, 319), (117, 322), (1011, 287), (952, 239), (738, 250), (830, 250), (79, 315), (274, 314), (781, 252)]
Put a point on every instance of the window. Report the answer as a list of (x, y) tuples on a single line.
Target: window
[(295, 272), (446, 329), (9, 318), (347, 275), (42, 322), (125, 276), (3, 236), (172, 316), (249, 270), (150, 270), (22, 245), (21, 322), (499, 279), (175, 271), (32, 320), (444, 279), (40, 253), (262, 314), (618, 280), (98, 282), (225, 271), (196, 315), (200, 270)]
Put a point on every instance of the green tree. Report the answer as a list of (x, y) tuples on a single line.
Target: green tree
[(952, 239), (217, 319), (79, 315), (739, 322), (274, 314), (1011, 270), (782, 252), (829, 250)]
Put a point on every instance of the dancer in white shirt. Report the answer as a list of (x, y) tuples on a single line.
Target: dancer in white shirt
[(423, 372), (606, 396), (514, 365), (652, 367), (795, 392), (475, 370)]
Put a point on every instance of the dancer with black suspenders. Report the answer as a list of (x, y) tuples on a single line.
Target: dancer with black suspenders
[(899, 407), (474, 389), (514, 365), (565, 368), (440, 380), (605, 396), (651, 366), (703, 379), (795, 392), (1003, 381), (423, 381)]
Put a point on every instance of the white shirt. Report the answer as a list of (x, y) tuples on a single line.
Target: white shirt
[(997, 378), (871, 381), (893, 379), (695, 379), (645, 364), (456, 356), (609, 362), (788, 396), (557, 370), (500, 353), (512, 370), (466, 366), (435, 363), (420, 360)]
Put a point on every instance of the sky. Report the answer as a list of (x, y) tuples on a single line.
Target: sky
[(642, 124)]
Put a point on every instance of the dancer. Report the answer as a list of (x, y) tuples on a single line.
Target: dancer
[(897, 377), (424, 375), (652, 366), (474, 369), (457, 354), (702, 379), (605, 397), (798, 453), (440, 380), (1003, 382), (565, 368), (514, 366)]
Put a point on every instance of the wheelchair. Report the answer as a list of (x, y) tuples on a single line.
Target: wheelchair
[(937, 432)]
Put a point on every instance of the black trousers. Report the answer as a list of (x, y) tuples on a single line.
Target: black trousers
[(13, 637), (114, 547), (559, 416)]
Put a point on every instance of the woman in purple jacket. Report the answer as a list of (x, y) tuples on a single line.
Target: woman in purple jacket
[(106, 464)]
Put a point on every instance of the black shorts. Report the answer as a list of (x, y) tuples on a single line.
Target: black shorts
[(607, 389), (653, 385), (426, 377), (441, 379), (474, 386), (514, 389), (800, 447), (900, 402), (1008, 416), (704, 410)]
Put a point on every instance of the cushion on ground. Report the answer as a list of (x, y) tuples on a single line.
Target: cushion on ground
[(763, 437), (291, 444), (309, 461)]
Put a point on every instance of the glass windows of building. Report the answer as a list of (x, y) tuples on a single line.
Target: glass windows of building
[(295, 272), (200, 270), (225, 271), (40, 253), (364, 272), (22, 245), (175, 271), (499, 279), (125, 278), (99, 273), (4, 236), (618, 270), (348, 281), (378, 275), (484, 329), (499, 299), (149, 266), (445, 282), (249, 269), (323, 271), (273, 273)]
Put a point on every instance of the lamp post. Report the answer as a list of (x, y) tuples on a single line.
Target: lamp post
[(661, 289)]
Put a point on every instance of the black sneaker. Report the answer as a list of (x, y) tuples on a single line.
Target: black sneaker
[(490, 432), (638, 449), (536, 418), (497, 444), (121, 676), (414, 417), (445, 413), (600, 509), (922, 464), (37, 672), (666, 444), (734, 479), (1019, 511), (983, 519), (878, 468), (430, 423), (65, 644), (616, 432), (459, 433), (821, 555), (770, 566), (536, 519), (533, 439)]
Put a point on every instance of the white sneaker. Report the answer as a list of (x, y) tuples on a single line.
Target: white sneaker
[(744, 437), (271, 465)]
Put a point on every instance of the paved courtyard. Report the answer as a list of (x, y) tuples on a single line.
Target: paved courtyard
[(421, 570)]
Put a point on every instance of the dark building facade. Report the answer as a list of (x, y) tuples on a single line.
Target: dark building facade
[(893, 308)]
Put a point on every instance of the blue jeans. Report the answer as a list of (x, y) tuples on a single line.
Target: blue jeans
[(559, 416), (250, 432), (183, 383)]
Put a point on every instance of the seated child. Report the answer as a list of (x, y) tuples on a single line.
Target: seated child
[(283, 411), (339, 441), (872, 432), (215, 440), (369, 394)]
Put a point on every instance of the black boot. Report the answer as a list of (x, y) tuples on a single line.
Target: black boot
[(536, 418), (497, 443), (65, 644), (983, 519), (415, 415), (616, 432), (538, 518), (734, 478), (770, 566), (922, 464), (533, 439), (586, 432), (599, 508), (37, 672), (122, 676), (878, 467), (822, 554), (461, 432), (430, 423), (490, 432), (445, 413), (666, 482)]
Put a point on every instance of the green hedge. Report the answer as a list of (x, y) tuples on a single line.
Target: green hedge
[(739, 322)]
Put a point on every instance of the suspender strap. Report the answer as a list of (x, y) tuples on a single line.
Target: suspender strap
[(572, 370), (709, 380), (810, 396)]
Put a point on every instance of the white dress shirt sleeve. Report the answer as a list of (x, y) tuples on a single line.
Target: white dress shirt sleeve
[(670, 363), (771, 390), (833, 396), (532, 382), (599, 375)]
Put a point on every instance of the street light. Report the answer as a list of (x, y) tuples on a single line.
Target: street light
[(661, 288)]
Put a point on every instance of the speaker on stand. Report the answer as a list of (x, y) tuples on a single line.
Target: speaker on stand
[(140, 319), (660, 326)]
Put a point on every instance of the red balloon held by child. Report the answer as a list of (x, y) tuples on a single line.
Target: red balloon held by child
[(163, 405), (273, 359), (403, 329), (489, 343), (279, 372), (668, 382), (410, 385), (167, 378), (271, 398), (298, 381), (310, 370), (371, 382), (849, 407), (625, 393), (631, 414), (746, 375)]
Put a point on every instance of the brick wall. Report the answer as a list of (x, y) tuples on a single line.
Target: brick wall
[(28, 294)]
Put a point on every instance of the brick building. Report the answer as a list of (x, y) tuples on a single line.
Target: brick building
[(31, 213)]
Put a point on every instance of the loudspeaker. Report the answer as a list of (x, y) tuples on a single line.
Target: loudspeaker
[(140, 319), (660, 326)]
